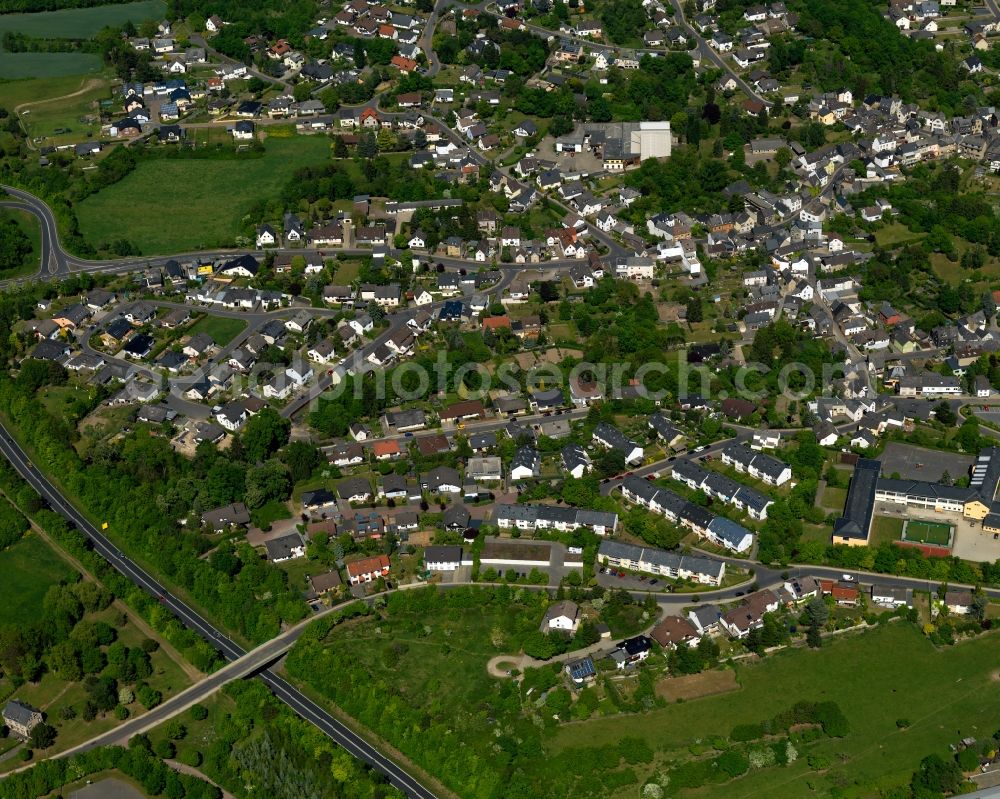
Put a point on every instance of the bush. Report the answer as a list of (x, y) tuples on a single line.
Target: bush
[(165, 749), (746, 732), (832, 719), (733, 763), (148, 697), (190, 757), (199, 712), (967, 760), (635, 750)]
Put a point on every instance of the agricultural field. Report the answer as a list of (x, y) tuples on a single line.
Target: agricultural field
[(949, 693), (222, 329), (79, 23), (29, 567), (46, 65), (208, 201)]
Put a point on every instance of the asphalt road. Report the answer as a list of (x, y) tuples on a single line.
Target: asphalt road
[(302, 705)]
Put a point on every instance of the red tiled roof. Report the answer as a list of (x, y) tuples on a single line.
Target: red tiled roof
[(358, 568)]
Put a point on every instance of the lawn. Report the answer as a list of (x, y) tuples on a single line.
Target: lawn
[(347, 272), (19, 92), (834, 498), (884, 529), (896, 235), (222, 329), (29, 224), (270, 513), (948, 270), (177, 205), (74, 117), (29, 567), (946, 694)]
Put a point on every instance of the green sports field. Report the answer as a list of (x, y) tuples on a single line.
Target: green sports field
[(924, 532), (169, 206)]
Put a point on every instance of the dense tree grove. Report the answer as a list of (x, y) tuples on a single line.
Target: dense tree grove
[(141, 487), (14, 243), (623, 20), (841, 54), (13, 525), (137, 762), (499, 757)]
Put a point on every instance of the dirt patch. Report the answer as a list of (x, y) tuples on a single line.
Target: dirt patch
[(995, 676), (508, 551), (692, 686)]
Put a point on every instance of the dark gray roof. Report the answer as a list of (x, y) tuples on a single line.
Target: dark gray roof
[(443, 554), (19, 712), (925, 490), (728, 530), (857, 518), (281, 548), (664, 428), (614, 438)]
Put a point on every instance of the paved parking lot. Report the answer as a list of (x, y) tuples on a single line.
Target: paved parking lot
[(917, 463)]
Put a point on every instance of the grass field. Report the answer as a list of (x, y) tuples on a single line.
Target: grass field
[(46, 65), (949, 271), (222, 329), (31, 90), (944, 694), (896, 235), (885, 528), (923, 532), (834, 498), (29, 224), (271, 512), (29, 567), (75, 116), (81, 23), (77, 23), (205, 203)]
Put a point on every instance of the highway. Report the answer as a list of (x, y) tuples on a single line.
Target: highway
[(301, 704)]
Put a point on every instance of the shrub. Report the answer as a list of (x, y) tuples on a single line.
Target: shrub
[(746, 732), (165, 749), (733, 763)]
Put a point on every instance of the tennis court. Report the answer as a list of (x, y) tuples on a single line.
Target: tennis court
[(920, 531)]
